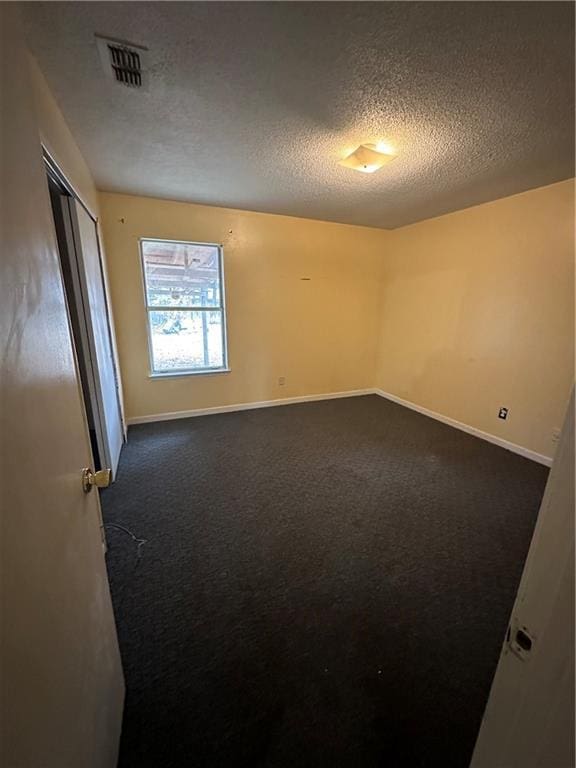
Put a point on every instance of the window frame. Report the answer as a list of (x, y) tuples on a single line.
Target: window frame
[(148, 308)]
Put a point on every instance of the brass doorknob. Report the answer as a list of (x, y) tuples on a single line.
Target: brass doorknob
[(100, 479)]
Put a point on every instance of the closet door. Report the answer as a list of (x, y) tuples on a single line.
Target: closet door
[(111, 433)]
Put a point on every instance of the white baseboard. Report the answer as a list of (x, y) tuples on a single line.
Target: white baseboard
[(247, 406), (540, 458), (528, 454)]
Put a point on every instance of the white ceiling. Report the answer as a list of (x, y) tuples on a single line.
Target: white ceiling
[(251, 105)]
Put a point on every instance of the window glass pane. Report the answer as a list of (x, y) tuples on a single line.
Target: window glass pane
[(181, 274), (186, 340)]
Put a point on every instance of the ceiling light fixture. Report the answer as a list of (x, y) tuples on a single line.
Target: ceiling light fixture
[(368, 158)]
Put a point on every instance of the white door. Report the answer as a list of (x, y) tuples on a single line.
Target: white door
[(111, 434), (62, 683), (529, 718)]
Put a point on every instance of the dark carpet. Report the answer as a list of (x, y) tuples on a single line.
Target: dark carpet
[(324, 584)]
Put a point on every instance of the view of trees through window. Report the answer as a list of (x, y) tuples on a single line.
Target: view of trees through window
[(183, 283)]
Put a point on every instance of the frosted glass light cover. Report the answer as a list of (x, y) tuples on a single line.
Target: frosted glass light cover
[(367, 159)]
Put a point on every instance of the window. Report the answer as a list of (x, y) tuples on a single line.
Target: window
[(184, 293)]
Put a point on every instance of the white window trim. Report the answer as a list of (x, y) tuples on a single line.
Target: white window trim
[(224, 368)]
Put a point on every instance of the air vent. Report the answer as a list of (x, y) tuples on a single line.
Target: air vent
[(122, 62), (126, 66)]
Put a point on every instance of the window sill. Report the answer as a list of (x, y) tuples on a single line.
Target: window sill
[(177, 374)]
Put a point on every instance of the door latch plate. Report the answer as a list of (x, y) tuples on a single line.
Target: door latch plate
[(520, 641)]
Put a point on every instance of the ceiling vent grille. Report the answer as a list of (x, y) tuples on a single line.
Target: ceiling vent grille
[(126, 66), (122, 61)]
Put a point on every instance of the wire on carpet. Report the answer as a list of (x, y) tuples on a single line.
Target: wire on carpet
[(139, 542)]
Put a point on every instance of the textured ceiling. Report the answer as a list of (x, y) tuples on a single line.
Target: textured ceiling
[(251, 105)]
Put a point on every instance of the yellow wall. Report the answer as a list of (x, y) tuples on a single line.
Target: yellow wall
[(319, 334), (460, 315), (59, 141), (60, 144), (478, 312)]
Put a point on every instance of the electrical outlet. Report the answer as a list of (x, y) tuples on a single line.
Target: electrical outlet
[(503, 413), (555, 435), (281, 381)]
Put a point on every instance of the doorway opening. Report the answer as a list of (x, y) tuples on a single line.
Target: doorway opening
[(61, 213), (84, 285)]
